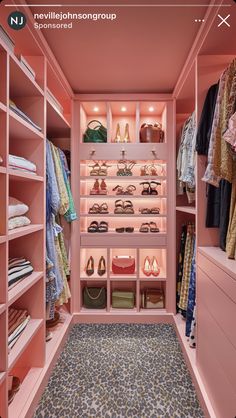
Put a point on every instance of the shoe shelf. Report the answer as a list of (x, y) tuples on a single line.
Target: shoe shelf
[(124, 178), (115, 215), (124, 197)]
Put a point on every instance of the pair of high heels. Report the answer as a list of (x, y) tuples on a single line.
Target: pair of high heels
[(101, 266), (99, 188), (151, 170), (124, 168), (118, 137), (151, 267)]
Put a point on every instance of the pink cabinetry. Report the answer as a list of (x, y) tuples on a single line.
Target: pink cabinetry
[(216, 354)]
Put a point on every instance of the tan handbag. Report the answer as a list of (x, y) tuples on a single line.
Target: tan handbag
[(153, 299), (151, 133)]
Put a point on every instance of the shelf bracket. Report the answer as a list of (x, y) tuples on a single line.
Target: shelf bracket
[(123, 152), (92, 152)]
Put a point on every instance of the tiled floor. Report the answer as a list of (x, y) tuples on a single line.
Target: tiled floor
[(120, 371)]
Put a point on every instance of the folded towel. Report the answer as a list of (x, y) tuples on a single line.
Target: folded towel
[(21, 163), (16, 208), (18, 222)]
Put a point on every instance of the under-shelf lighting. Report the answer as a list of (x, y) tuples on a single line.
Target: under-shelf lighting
[(151, 109), (123, 109), (96, 109)]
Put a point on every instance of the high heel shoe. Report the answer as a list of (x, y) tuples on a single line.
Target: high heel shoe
[(96, 188), (103, 169), (127, 136), (90, 266), (118, 135), (103, 187), (101, 266), (155, 270), (147, 270)]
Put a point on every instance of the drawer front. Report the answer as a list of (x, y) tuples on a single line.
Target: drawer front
[(222, 279), (216, 364), (221, 308), (122, 240), (121, 151)]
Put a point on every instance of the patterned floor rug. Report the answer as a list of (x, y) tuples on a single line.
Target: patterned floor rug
[(120, 371)]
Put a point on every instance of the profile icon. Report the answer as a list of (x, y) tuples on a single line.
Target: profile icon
[(16, 20)]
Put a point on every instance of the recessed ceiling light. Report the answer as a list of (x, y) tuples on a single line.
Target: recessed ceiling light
[(96, 109), (151, 109), (123, 109)]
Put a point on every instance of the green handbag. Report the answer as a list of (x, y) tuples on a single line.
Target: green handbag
[(95, 297), (122, 299), (96, 134)]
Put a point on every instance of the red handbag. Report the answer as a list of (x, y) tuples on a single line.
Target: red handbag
[(123, 265)]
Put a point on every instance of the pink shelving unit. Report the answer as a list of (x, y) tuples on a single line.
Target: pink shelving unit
[(134, 110)]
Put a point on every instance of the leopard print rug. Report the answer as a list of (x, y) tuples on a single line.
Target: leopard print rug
[(120, 371)]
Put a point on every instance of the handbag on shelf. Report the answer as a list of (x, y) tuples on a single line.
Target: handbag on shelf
[(151, 133), (122, 299), (152, 299), (97, 134), (95, 297), (123, 265)]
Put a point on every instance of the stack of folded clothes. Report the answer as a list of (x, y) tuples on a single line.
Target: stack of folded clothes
[(23, 115), (22, 164), (16, 211), (17, 322), (18, 269)]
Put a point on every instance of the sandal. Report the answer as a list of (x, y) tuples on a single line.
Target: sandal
[(103, 227), (128, 207), (119, 207), (153, 170), (103, 187), (96, 188), (154, 228), (119, 190), (146, 190), (121, 170), (144, 227), (153, 189), (144, 170), (129, 229), (155, 211), (94, 209), (128, 169), (94, 171), (120, 230), (93, 227), (145, 211), (103, 208), (103, 169), (130, 189)]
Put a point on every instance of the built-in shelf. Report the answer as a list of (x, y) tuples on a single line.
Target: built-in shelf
[(186, 209), (118, 234), (220, 258), (2, 308), (21, 82), (126, 277), (2, 377), (181, 326), (22, 176), (125, 178), (23, 341), (3, 170), (24, 230), (152, 278), (127, 197), (2, 107), (57, 125), (93, 278), (2, 239), (22, 287), (20, 128), (121, 215)]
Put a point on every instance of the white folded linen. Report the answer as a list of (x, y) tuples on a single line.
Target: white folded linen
[(16, 208), (18, 222), (20, 162)]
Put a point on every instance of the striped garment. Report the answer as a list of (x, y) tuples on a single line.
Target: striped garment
[(12, 339), (15, 318), (18, 268)]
